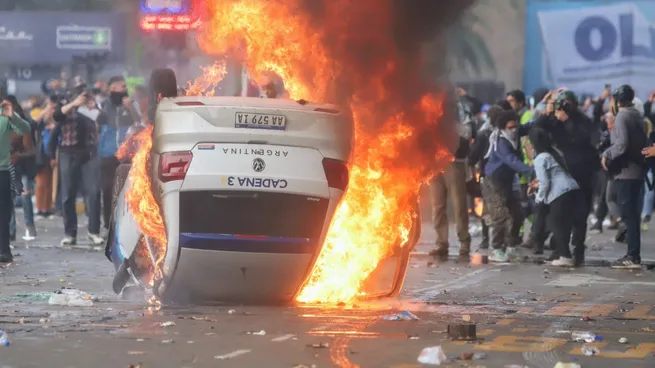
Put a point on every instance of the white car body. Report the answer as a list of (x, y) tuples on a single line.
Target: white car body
[(248, 219)]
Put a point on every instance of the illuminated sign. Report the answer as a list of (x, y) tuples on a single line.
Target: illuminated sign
[(169, 23), (165, 6)]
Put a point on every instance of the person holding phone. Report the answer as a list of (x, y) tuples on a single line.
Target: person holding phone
[(9, 122)]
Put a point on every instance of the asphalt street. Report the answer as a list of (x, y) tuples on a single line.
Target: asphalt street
[(524, 315)]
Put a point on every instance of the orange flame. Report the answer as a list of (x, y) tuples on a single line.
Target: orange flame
[(397, 147), (389, 162), (206, 84)]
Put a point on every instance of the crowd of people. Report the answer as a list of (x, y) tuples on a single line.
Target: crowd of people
[(59, 147), (551, 163)]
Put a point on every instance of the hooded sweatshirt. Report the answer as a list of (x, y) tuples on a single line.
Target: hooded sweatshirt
[(628, 138)]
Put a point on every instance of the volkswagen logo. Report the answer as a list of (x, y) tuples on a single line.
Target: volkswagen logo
[(258, 165)]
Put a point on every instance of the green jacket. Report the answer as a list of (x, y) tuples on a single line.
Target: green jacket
[(7, 125)]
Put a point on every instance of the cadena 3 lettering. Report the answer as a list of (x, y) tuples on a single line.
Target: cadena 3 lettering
[(257, 183)]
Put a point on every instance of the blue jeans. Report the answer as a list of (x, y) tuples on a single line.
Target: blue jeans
[(629, 194), (649, 197), (28, 206)]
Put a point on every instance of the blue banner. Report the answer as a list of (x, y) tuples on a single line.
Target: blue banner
[(55, 37), (586, 45)]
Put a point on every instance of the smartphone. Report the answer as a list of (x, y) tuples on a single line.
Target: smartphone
[(608, 86)]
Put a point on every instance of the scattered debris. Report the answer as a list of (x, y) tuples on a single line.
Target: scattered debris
[(167, 324), (623, 340), (190, 342), (462, 331), (136, 352), (648, 329), (567, 365), (466, 318), (283, 338), (433, 355), (170, 341), (465, 356), (258, 333), (583, 336), (589, 350), (138, 365), (4, 339), (304, 366), (231, 355), (402, 316), (413, 337), (516, 366), (72, 298), (587, 319), (322, 345), (140, 340), (479, 356), (231, 311)]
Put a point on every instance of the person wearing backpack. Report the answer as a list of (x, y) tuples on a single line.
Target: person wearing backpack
[(117, 116), (624, 162)]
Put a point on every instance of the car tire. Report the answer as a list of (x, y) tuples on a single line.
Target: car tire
[(163, 84)]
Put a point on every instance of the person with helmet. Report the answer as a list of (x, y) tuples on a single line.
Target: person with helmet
[(572, 133), (624, 161)]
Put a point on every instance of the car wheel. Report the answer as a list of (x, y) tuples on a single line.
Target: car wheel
[(163, 84)]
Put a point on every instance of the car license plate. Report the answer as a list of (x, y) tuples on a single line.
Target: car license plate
[(260, 121)]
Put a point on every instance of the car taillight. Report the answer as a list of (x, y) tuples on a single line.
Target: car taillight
[(336, 173), (174, 165)]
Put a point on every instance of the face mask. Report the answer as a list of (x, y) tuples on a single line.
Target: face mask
[(117, 97), (511, 134)]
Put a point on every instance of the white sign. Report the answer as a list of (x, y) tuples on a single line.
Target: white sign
[(589, 47), (74, 37)]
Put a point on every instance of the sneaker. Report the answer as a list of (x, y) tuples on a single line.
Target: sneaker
[(626, 263), (562, 262), (498, 255), (646, 219), (30, 233), (40, 216), (513, 254), (95, 239), (6, 258), (68, 240)]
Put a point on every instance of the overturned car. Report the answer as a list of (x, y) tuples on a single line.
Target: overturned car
[(246, 189)]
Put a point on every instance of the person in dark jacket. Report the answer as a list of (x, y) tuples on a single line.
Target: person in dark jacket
[(504, 163), (572, 133), (117, 117), (75, 139), (625, 163), (479, 149)]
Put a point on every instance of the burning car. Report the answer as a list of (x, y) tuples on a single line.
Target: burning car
[(230, 198)]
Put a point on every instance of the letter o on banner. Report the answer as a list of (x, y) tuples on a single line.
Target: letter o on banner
[(608, 38)]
